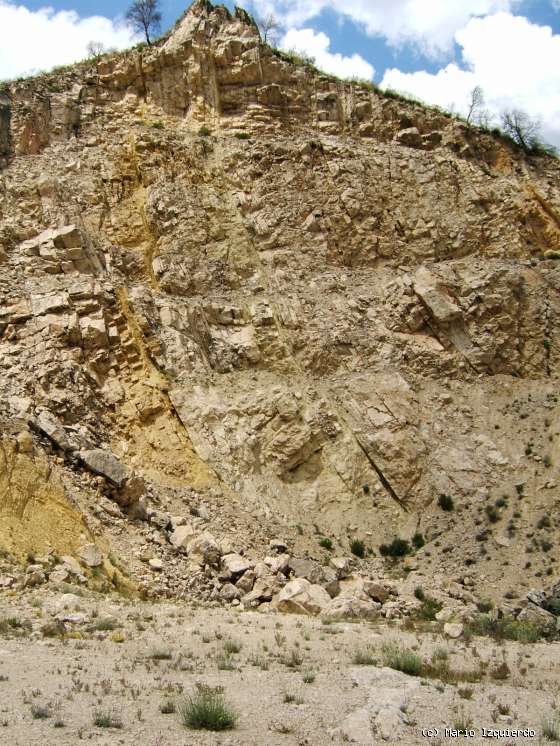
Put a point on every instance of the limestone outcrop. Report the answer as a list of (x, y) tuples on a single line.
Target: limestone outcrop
[(240, 291)]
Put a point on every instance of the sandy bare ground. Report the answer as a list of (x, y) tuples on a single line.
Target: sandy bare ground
[(291, 680)]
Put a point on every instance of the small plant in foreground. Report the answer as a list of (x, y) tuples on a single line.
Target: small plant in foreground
[(326, 543), (232, 646), (206, 709), (446, 503), (364, 657), (204, 131), (161, 654), (358, 548), (397, 548), (551, 729), (40, 712), (402, 660), (107, 719), (167, 707), (308, 677)]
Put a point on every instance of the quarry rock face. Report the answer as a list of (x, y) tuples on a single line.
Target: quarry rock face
[(283, 301)]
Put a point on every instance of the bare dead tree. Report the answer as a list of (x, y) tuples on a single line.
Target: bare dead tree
[(144, 17), (96, 49), (269, 26), (522, 128), (476, 106)]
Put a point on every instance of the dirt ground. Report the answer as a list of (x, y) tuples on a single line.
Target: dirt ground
[(291, 679)]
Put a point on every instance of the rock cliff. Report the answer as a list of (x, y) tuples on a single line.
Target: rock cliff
[(234, 282)]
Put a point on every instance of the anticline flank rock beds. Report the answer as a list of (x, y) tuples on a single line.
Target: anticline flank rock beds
[(243, 301)]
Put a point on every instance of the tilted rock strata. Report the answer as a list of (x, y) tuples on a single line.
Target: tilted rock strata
[(324, 309)]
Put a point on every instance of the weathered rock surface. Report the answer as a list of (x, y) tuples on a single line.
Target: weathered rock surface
[(279, 303)]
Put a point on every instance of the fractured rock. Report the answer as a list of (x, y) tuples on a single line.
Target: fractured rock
[(299, 596)]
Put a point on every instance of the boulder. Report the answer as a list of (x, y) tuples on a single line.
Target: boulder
[(204, 549), (376, 591), (246, 581), (279, 563), (90, 555), (351, 607), (342, 566), (299, 596), (277, 545), (156, 564), (410, 137), (48, 424), (181, 537), (316, 573), (544, 620), (263, 590), (229, 592), (105, 464), (453, 630), (235, 565)]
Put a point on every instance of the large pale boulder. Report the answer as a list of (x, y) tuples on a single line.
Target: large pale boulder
[(90, 555), (204, 549), (351, 607), (181, 536), (299, 596), (105, 464), (235, 565)]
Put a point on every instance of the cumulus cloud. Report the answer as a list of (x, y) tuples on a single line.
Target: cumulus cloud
[(317, 45), (428, 24), (515, 61), (38, 40)]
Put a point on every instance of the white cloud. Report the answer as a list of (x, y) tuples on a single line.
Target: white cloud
[(429, 24), (515, 61), (38, 40), (317, 45)]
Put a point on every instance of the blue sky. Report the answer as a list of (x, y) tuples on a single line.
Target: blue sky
[(437, 50)]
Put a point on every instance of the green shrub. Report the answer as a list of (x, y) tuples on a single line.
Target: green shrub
[(206, 709), (402, 660), (553, 605), (550, 729), (492, 513), (397, 548), (418, 541), (358, 548), (326, 543), (205, 131), (419, 593), (364, 657), (107, 719), (242, 135), (40, 712), (506, 628), (167, 707), (446, 503), (430, 607), (158, 125)]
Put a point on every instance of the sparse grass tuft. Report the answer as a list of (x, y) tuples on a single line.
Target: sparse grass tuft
[(206, 709), (446, 503), (161, 654), (364, 657), (551, 729), (506, 628), (397, 548), (167, 707), (40, 712), (402, 660), (232, 646), (326, 543), (358, 548), (107, 719)]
